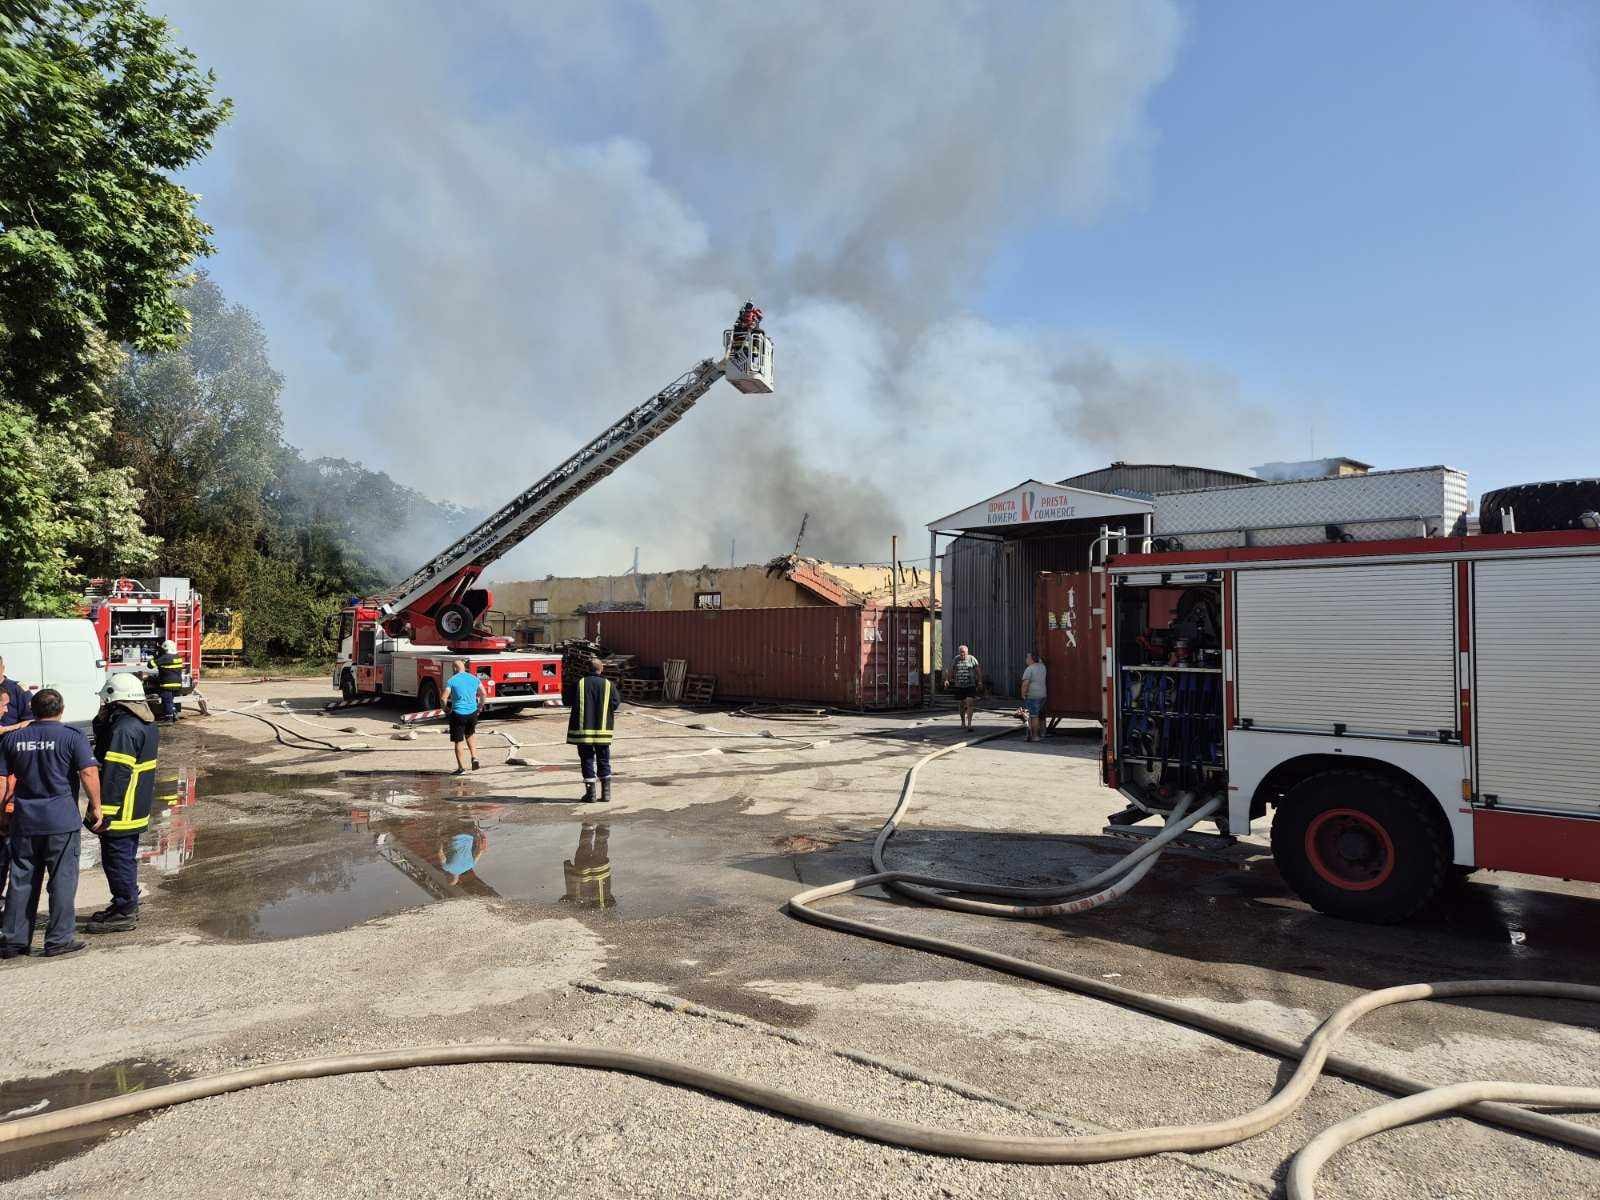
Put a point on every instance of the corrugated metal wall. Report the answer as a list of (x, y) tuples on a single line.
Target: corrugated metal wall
[(1151, 479), (844, 657), (989, 598)]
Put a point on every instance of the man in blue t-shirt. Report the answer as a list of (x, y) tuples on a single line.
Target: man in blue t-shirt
[(43, 765), (462, 703)]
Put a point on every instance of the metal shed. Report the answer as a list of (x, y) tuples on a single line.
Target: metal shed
[(1145, 480), (1001, 546)]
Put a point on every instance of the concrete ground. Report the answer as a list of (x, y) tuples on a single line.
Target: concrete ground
[(314, 902)]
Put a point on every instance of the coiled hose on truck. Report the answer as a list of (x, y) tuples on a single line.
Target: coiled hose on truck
[(1481, 1100)]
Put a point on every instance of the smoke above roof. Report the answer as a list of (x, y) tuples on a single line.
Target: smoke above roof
[(479, 233)]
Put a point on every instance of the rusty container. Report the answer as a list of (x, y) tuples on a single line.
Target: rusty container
[(852, 657), (1068, 636)]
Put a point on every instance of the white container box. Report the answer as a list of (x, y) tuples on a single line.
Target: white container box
[(1415, 502)]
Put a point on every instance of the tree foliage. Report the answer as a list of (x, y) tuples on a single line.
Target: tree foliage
[(97, 107)]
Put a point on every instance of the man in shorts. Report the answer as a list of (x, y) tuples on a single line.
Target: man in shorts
[(966, 677), (463, 703), (1033, 694)]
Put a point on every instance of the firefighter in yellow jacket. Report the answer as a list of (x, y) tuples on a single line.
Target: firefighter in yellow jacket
[(125, 742), (169, 679), (593, 702)]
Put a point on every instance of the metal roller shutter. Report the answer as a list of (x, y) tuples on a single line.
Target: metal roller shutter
[(1537, 663), (1368, 647)]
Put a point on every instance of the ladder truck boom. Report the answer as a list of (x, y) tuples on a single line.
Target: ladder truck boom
[(439, 602)]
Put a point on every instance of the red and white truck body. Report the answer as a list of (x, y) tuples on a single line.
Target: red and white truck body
[(1401, 707), (132, 619), (371, 663)]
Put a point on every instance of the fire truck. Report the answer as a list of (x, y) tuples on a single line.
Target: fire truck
[(401, 643), (1407, 709), (132, 619)]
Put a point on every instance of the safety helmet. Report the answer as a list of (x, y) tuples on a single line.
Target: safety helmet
[(170, 646), (122, 686)]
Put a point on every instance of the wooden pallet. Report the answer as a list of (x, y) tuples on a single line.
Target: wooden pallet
[(698, 689), (635, 690)]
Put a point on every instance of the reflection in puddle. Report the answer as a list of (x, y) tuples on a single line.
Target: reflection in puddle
[(588, 871), (27, 1097)]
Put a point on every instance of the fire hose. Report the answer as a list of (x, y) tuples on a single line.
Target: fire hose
[(1483, 1101)]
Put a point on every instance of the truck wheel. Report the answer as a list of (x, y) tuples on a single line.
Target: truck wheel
[(427, 696), (1358, 845), (347, 686)]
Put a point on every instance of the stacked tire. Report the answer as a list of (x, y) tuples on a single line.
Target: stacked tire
[(1540, 506)]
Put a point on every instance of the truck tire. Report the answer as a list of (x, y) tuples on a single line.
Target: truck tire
[(427, 696), (1358, 845), (454, 621), (347, 685), (1540, 506)]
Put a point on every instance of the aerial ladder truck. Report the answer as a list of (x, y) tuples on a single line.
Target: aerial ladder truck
[(401, 642)]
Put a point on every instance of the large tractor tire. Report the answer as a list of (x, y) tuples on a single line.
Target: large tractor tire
[(1360, 845), (1540, 506)]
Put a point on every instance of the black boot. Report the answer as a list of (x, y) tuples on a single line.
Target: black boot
[(605, 791), (589, 794)]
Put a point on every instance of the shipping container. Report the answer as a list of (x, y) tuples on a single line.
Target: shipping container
[(844, 657), (1067, 635), (989, 598)]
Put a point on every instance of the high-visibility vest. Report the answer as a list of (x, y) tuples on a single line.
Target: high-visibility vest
[(169, 671), (590, 722), (128, 771)]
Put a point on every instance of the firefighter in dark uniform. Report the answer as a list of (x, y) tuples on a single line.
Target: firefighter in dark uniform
[(593, 701), (125, 745), (169, 679)]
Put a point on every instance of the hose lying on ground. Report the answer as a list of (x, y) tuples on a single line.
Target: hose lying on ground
[(1314, 1055)]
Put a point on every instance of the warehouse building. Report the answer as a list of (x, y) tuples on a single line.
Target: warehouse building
[(1001, 544)]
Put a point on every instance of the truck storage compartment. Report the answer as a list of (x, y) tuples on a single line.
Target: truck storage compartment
[(1168, 686), (1537, 659), (1348, 649)]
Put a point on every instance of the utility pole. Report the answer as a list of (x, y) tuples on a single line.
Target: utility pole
[(801, 536), (894, 616), (733, 553)]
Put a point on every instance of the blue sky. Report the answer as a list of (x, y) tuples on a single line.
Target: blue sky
[(993, 243), (1381, 216)]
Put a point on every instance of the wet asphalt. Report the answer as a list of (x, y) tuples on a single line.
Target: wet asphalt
[(679, 889)]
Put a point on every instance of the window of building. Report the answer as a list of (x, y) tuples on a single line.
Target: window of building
[(538, 608), (708, 599)]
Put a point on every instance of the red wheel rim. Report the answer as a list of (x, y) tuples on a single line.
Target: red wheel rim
[(1350, 850)]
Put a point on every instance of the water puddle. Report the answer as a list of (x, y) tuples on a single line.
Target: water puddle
[(393, 843), (28, 1097)]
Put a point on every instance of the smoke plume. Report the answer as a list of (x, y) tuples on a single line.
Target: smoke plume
[(478, 233)]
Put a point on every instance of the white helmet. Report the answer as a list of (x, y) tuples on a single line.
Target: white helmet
[(170, 646), (122, 686)]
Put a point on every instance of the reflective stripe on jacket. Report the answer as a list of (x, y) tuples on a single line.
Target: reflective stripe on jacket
[(594, 704), (126, 747), (169, 670)]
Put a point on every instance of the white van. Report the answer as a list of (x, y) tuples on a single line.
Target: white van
[(58, 653)]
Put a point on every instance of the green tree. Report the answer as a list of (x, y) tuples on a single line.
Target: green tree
[(97, 109), (200, 427)]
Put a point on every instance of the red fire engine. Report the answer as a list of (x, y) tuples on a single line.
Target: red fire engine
[(1409, 708), (401, 643), (132, 619)]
